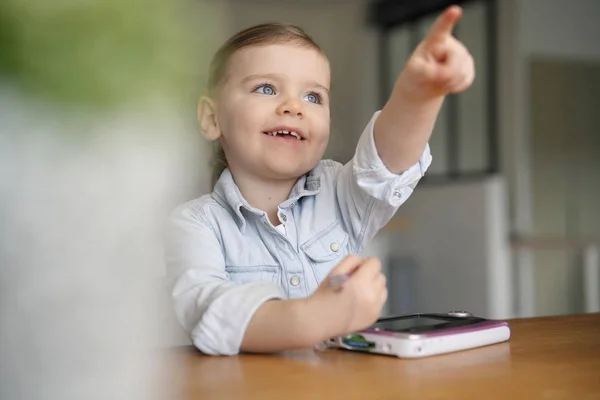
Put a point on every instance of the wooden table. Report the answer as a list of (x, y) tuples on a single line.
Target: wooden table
[(546, 358)]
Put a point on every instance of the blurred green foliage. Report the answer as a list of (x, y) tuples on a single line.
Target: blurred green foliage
[(101, 53)]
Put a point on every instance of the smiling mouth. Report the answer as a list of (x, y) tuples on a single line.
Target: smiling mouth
[(284, 133)]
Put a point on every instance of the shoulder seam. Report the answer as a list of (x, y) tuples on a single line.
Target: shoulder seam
[(198, 211), (328, 163)]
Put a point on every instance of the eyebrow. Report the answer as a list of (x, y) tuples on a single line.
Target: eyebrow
[(276, 77)]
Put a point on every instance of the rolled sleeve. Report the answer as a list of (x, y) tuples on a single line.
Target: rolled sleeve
[(368, 193), (377, 180), (213, 310), (222, 327)]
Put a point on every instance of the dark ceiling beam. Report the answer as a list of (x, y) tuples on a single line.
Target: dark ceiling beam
[(389, 13)]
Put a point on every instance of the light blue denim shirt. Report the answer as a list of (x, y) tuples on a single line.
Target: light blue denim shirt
[(225, 259)]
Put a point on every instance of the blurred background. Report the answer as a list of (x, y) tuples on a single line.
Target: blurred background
[(99, 141)]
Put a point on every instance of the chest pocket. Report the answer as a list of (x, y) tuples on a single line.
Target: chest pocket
[(326, 249), (264, 273)]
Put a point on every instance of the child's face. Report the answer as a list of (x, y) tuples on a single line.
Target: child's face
[(273, 88)]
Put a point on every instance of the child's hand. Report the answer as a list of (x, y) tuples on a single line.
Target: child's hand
[(357, 303), (440, 64)]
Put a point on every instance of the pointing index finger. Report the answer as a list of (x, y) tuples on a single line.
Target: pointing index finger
[(444, 24)]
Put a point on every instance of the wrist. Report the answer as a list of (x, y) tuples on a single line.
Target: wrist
[(305, 322), (314, 325), (406, 91), (327, 317), (404, 103)]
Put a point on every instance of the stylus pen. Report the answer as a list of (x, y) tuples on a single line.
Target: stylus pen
[(337, 281)]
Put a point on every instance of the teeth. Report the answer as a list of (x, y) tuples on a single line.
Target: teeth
[(284, 132)]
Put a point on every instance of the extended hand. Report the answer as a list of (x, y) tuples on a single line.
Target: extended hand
[(440, 64)]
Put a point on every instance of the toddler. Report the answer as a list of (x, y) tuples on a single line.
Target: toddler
[(250, 263)]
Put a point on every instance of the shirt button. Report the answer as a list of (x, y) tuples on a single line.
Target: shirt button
[(283, 217), (295, 280), (397, 194), (335, 247)]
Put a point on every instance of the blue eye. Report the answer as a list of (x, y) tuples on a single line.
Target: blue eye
[(313, 98), (265, 89)]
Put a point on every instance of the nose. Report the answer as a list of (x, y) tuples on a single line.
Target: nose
[(290, 107)]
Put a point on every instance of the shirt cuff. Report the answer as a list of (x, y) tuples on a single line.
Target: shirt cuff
[(376, 179), (223, 325)]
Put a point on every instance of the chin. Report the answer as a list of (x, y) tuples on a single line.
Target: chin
[(287, 173)]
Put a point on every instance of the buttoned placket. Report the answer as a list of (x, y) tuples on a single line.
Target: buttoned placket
[(290, 260)]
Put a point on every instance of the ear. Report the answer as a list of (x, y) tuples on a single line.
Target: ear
[(207, 116)]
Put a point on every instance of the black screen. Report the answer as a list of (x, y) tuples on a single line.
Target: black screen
[(423, 323)]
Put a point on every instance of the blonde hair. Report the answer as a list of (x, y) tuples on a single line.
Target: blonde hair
[(263, 34)]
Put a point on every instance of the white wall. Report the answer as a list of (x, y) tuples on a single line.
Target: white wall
[(530, 29), (527, 29), (565, 165), (561, 28), (457, 254)]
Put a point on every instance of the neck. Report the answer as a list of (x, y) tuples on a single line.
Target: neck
[(263, 194)]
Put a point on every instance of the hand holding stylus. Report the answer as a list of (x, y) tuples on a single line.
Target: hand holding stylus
[(337, 281), (352, 295)]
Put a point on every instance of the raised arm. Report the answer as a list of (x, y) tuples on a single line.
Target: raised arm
[(392, 154), (438, 66)]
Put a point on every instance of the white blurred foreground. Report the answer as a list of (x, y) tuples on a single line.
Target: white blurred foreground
[(83, 200)]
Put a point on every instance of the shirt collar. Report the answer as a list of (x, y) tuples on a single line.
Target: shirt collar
[(228, 194)]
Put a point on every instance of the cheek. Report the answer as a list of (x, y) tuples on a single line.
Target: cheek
[(321, 139), (251, 111), (238, 121), (322, 125)]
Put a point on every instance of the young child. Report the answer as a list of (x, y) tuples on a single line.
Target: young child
[(250, 263)]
